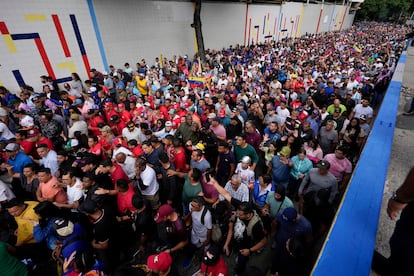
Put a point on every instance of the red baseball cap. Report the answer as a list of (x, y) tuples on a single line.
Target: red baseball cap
[(163, 211), (121, 105), (160, 262)]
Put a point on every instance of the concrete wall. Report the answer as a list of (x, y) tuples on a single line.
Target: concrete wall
[(59, 37)]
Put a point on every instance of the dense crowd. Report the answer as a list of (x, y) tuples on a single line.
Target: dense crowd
[(184, 162)]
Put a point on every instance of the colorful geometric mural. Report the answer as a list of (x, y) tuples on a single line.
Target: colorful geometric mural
[(10, 38)]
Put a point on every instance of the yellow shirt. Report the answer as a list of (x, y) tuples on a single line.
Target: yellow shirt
[(25, 224), (142, 86)]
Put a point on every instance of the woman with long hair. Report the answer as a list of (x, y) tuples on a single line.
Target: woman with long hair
[(313, 151), (352, 137)]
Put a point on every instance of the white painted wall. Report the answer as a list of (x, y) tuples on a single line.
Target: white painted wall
[(132, 30), (26, 57)]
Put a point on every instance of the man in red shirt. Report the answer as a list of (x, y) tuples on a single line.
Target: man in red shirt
[(115, 171), (94, 121), (124, 114), (109, 112), (135, 148)]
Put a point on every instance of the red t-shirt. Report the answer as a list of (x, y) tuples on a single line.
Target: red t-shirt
[(46, 141), (125, 201), (125, 116), (137, 151), (180, 161), (27, 146), (219, 269), (118, 174), (93, 125), (97, 150)]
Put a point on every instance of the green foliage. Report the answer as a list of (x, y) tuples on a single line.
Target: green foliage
[(385, 10)]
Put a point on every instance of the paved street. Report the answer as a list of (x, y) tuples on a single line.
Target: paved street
[(401, 155)]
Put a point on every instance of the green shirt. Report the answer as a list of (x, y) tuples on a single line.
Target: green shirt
[(277, 206), (240, 152), (190, 191), (10, 265)]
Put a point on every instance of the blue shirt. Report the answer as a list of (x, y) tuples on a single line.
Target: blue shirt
[(280, 171), (19, 162), (75, 242)]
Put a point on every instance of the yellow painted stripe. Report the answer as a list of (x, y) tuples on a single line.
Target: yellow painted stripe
[(302, 12), (35, 17), (10, 43), (68, 64), (1, 83)]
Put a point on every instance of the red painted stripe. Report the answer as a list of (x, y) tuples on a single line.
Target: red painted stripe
[(319, 21), (3, 28), (45, 58), (86, 63), (61, 35), (245, 23)]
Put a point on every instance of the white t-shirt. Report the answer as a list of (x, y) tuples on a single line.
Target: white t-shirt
[(121, 149), (5, 132), (149, 178), (5, 192), (27, 121), (135, 134), (199, 230), (246, 175), (81, 126), (282, 114), (361, 110), (75, 192), (129, 166)]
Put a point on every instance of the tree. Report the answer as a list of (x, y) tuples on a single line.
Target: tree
[(384, 10), (198, 31)]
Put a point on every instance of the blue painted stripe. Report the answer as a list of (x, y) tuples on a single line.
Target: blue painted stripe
[(61, 80), (77, 34), (25, 36), (349, 247), (331, 19), (18, 77), (403, 59), (98, 34)]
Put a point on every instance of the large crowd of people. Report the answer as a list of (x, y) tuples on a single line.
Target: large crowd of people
[(181, 162)]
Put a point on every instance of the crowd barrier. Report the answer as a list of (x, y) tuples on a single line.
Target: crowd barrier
[(349, 245)]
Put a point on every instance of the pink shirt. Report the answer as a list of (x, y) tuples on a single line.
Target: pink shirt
[(339, 167), (219, 130)]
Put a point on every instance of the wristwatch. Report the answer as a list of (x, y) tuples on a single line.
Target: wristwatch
[(396, 199)]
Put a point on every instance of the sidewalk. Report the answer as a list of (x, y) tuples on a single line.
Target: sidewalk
[(401, 156)]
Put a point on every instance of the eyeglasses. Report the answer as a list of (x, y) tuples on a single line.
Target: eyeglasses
[(187, 145)]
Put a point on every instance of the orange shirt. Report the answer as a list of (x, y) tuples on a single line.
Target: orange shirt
[(50, 190)]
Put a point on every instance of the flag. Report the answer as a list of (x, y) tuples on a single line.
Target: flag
[(356, 49), (196, 82)]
